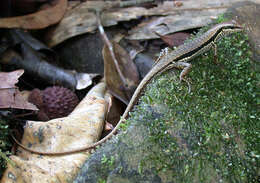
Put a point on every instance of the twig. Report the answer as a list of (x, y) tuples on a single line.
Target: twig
[(110, 46)]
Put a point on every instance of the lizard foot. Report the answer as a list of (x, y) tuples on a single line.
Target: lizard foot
[(188, 83)]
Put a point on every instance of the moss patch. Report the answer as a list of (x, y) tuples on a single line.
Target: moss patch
[(211, 133), (5, 145)]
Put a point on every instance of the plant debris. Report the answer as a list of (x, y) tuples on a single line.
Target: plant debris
[(10, 96)]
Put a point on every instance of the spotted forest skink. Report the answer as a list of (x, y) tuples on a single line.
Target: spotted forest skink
[(177, 58)]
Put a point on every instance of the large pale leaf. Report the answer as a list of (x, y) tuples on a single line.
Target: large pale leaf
[(81, 128)]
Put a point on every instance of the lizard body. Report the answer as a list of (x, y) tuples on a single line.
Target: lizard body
[(177, 58)]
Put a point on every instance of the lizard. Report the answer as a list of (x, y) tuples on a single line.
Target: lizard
[(178, 58)]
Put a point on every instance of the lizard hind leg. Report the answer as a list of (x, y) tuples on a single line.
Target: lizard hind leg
[(186, 67), (215, 53)]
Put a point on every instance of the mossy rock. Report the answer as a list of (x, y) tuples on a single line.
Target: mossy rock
[(208, 135), (212, 133)]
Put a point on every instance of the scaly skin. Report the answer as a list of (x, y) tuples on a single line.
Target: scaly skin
[(177, 58)]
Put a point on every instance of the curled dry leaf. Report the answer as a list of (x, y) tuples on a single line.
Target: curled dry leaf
[(116, 86), (10, 96), (82, 127), (38, 20), (115, 109)]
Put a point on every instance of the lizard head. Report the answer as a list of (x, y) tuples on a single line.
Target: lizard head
[(230, 26), (227, 28)]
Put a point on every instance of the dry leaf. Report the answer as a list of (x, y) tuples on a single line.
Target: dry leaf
[(166, 25), (172, 18), (10, 97), (108, 126), (84, 80), (85, 21), (81, 128), (9, 79), (189, 15), (116, 86), (174, 40), (38, 20), (115, 111)]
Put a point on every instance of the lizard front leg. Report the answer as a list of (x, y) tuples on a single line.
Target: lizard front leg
[(215, 52), (164, 52)]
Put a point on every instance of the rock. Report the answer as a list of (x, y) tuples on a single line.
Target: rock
[(208, 135), (247, 13)]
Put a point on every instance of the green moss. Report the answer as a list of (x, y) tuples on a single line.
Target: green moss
[(212, 132), (108, 162), (5, 145), (101, 181), (222, 18), (123, 126)]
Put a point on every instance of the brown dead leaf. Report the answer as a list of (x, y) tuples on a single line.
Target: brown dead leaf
[(38, 20), (175, 39), (115, 109), (123, 91), (10, 96)]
